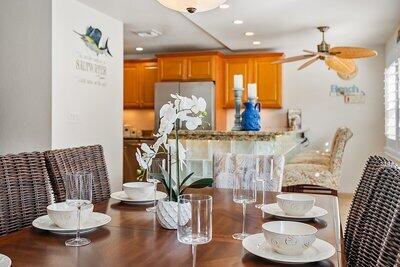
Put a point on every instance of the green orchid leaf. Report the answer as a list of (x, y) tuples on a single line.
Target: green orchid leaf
[(205, 182), (187, 178)]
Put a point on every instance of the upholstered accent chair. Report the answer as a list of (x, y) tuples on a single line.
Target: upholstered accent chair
[(87, 158), (226, 164), (25, 190), (321, 174)]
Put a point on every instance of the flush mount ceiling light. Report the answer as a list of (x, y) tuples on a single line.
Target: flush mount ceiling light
[(249, 33), (224, 6), (256, 43), (139, 48), (191, 6), (238, 21)]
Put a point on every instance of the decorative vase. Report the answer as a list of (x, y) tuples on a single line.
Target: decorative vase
[(167, 213), (251, 116)]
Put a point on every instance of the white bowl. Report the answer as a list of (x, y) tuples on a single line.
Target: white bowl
[(138, 190), (295, 204), (65, 216), (289, 238)]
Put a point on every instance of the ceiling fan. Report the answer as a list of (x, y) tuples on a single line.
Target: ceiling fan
[(339, 59)]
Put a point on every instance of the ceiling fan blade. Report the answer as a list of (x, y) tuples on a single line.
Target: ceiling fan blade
[(342, 65), (352, 52), (291, 59), (309, 51), (308, 63)]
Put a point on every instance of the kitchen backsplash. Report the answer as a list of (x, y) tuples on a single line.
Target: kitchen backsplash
[(141, 119)]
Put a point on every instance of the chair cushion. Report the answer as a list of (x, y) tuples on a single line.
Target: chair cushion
[(312, 174)]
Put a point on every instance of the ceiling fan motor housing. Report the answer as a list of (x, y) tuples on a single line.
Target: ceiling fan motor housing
[(323, 47)]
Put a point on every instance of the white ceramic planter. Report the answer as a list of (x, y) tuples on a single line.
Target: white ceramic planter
[(167, 214)]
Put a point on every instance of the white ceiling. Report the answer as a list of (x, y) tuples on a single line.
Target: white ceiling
[(280, 25)]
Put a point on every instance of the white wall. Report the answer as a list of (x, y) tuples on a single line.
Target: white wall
[(309, 90), (25, 76), (84, 113)]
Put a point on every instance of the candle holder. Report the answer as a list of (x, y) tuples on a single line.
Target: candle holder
[(238, 103)]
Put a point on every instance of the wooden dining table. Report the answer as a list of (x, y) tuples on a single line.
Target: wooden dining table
[(135, 238)]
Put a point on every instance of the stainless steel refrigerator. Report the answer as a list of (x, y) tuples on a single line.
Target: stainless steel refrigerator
[(206, 90)]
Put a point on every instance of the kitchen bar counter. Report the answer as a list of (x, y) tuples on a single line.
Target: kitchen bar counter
[(265, 135)]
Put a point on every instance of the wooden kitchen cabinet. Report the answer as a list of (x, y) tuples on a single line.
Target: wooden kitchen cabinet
[(255, 68), (235, 66), (172, 68), (268, 78), (201, 68), (149, 76), (188, 67), (139, 80), (131, 85)]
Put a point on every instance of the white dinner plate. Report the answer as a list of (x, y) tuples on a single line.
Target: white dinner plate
[(124, 198), (4, 261), (275, 210), (319, 250), (96, 220)]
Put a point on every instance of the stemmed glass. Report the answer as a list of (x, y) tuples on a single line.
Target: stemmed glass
[(264, 172), (244, 192), (78, 190), (194, 221), (153, 171)]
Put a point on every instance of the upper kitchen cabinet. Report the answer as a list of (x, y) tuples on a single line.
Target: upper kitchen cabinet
[(139, 80), (234, 66), (149, 78), (255, 68), (201, 68), (172, 68), (268, 78), (131, 85), (188, 66)]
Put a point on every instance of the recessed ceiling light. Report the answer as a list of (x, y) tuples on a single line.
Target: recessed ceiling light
[(139, 48), (256, 43), (249, 33), (224, 6), (238, 21)]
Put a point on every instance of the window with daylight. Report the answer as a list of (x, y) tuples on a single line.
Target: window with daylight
[(392, 107)]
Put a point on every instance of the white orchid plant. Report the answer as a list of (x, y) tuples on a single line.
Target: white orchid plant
[(182, 110)]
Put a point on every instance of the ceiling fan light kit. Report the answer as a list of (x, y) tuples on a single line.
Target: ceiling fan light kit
[(191, 6), (339, 59)]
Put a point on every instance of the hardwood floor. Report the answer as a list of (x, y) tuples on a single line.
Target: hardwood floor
[(344, 206)]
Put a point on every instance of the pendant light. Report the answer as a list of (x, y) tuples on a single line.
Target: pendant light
[(191, 6)]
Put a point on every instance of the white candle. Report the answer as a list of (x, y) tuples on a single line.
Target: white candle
[(237, 81), (252, 90)]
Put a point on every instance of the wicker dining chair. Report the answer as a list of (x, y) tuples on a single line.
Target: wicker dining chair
[(377, 221), (225, 165), (25, 190), (362, 199), (87, 158), (391, 246)]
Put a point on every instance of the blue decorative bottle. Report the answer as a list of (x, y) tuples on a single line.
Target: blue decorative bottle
[(251, 116)]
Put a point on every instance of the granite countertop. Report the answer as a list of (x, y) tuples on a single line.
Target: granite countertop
[(264, 135)]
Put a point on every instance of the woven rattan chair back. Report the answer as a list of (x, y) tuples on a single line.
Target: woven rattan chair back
[(89, 158), (362, 199), (25, 190), (378, 218), (390, 253)]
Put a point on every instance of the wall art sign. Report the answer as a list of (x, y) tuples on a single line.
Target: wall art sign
[(91, 67), (352, 94), (294, 119)]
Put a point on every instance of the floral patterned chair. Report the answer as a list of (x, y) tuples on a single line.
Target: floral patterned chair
[(315, 174), (226, 164)]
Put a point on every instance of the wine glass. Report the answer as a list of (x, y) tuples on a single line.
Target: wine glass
[(264, 172), (153, 171), (78, 191), (194, 220), (244, 192)]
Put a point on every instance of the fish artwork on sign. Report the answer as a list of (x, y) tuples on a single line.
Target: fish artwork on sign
[(92, 39)]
